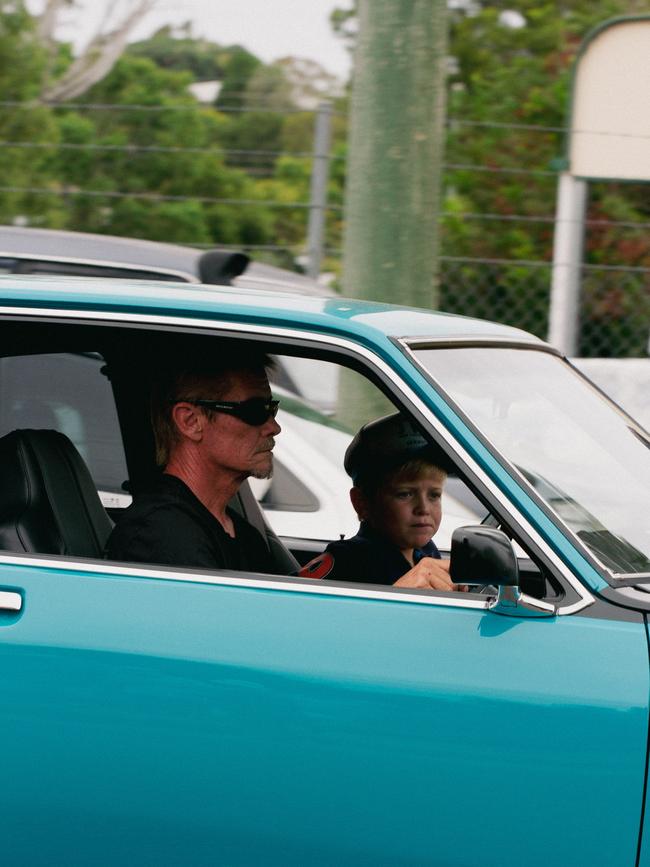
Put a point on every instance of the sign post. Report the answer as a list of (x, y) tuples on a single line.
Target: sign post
[(609, 139)]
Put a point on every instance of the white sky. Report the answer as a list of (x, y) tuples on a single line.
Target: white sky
[(269, 29)]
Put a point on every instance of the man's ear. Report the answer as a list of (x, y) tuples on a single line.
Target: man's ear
[(359, 502), (188, 420)]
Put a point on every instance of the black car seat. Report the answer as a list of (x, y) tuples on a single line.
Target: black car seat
[(48, 500)]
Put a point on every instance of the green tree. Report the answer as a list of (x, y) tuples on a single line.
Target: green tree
[(167, 146), (149, 172), (239, 67), (23, 61), (183, 53)]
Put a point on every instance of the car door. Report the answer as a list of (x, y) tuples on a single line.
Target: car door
[(169, 717)]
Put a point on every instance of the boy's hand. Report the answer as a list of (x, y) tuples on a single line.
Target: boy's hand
[(430, 574)]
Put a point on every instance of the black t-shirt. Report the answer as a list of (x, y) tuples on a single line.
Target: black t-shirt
[(368, 557), (168, 525)]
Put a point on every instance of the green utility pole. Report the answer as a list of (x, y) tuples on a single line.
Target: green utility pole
[(395, 151), (394, 161)]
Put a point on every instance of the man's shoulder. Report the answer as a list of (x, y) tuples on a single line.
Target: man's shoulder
[(164, 494), (158, 515)]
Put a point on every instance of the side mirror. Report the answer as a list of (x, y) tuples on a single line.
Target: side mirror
[(485, 556)]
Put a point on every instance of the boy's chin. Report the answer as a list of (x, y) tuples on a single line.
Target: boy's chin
[(421, 539)]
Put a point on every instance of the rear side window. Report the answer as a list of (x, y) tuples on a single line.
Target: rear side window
[(68, 393), (80, 269), (285, 492)]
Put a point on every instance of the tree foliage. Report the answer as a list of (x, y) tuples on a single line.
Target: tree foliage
[(177, 50), (503, 77), (161, 166), (23, 61)]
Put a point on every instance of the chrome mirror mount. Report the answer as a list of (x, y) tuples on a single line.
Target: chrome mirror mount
[(484, 555), (513, 603)]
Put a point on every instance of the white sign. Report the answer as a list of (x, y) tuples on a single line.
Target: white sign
[(610, 124)]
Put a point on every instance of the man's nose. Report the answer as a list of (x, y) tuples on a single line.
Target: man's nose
[(271, 428)]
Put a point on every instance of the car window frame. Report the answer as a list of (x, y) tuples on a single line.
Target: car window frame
[(336, 348)]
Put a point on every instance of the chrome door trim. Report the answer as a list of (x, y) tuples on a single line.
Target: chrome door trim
[(409, 343), (297, 336), (232, 579)]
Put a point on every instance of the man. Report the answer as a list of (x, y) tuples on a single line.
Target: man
[(214, 426)]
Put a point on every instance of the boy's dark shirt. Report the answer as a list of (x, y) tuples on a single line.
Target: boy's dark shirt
[(168, 525), (368, 557)]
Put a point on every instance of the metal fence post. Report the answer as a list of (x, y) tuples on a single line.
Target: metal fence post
[(567, 261), (318, 192)]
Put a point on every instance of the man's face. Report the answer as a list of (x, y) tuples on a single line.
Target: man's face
[(407, 510), (229, 443)]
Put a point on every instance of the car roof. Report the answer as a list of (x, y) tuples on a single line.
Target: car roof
[(353, 317), (56, 245)]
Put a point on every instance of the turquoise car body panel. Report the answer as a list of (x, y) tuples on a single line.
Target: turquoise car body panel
[(644, 847), (264, 726), (290, 310), (177, 718)]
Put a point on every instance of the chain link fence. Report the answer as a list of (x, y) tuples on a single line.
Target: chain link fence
[(614, 309)]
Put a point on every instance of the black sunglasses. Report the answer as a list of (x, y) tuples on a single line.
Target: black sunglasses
[(254, 411)]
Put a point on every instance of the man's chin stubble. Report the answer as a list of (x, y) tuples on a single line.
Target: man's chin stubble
[(263, 474)]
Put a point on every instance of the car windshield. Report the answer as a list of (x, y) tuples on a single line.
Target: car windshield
[(587, 461)]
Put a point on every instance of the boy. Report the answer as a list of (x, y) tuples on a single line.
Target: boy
[(398, 480)]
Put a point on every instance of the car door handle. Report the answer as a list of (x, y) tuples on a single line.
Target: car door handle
[(10, 601)]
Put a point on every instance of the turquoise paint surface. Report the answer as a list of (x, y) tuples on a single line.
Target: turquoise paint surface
[(350, 316), (644, 852), (158, 722)]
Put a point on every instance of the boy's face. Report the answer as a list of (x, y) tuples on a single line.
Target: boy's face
[(405, 509)]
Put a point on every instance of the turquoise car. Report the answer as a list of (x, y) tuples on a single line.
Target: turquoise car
[(168, 716)]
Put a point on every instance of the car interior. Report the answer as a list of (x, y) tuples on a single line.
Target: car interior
[(74, 419)]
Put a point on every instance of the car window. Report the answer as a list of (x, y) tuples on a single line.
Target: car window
[(68, 393), (79, 269), (285, 492), (307, 501), (308, 495), (583, 458)]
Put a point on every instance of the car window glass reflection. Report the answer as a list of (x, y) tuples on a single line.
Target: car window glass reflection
[(66, 392)]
